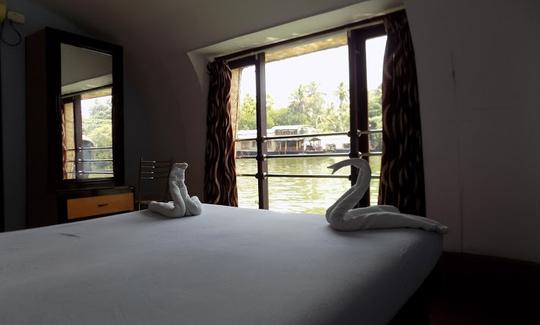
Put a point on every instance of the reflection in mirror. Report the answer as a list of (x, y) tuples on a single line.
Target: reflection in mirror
[(87, 150)]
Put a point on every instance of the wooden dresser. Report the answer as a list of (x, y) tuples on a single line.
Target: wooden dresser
[(81, 204)]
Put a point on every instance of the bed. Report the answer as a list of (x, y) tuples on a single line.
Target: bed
[(226, 266)]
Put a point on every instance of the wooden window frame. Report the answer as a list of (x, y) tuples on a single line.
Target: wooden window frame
[(359, 96), (357, 35)]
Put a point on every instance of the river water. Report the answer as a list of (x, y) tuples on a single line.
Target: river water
[(302, 195)]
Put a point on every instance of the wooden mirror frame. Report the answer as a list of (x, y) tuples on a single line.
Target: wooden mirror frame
[(55, 39)]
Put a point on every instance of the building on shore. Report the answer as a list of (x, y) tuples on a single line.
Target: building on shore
[(294, 145)]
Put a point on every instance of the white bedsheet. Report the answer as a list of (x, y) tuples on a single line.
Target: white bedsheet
[(226, 266)]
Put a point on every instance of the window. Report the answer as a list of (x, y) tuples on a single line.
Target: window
[(87, 135), (295, 108), (374, 65), (243, 99)]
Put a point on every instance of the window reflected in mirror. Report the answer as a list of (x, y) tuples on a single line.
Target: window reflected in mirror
[(87, 135), (87, 128)]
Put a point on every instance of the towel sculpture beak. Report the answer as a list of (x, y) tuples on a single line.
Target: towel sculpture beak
[(342, 217), (182, 204)]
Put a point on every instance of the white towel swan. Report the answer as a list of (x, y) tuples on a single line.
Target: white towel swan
[(341, 215), (181, 205), (193, 204)]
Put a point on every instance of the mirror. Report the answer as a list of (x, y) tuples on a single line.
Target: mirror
[(86, 113)]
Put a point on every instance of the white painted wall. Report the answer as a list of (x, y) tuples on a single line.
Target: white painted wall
[(479, 77)]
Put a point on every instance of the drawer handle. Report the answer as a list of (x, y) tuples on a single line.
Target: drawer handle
[(101, 205)]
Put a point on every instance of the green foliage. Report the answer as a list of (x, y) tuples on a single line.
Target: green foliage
[(308, 106), (375, 118), (336, 119), (283, 116), (97, 127), (246, 115), (375, 108)]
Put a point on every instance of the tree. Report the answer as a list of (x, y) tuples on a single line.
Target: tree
[(375, 117), (306, 105), (102, 137), (336, 119), (247, 118), (330, 120), (102, 110), (270, 112), (97, 126), (343, 110), (375, 108)]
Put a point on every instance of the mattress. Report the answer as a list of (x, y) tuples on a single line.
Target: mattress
[(226, 266)]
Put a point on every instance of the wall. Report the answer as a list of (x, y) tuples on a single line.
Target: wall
[(479, 75), (13, 107)]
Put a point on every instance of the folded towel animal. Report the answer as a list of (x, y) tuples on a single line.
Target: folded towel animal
[(341, 215), (182, 204)]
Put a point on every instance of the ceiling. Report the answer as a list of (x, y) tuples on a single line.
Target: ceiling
[(186, 24), (305, 26)]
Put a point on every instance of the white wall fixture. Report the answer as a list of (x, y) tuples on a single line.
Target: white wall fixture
[(16, 17)]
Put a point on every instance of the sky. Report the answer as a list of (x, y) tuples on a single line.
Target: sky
[(88, 104), (327, 68)]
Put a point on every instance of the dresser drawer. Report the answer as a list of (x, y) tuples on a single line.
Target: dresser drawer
[(97, 205)]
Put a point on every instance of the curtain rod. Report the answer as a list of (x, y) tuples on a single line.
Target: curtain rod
[(359, 24)]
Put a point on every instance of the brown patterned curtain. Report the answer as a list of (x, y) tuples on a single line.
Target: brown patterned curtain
[(220, 169), (402, 166)]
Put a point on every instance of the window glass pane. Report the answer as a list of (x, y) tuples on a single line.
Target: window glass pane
[(309, 144), (306, 165), (87, 135), (97, 153), (374, 191), (374, 60), (246, 148), (68, 140), (305, 195), (248, 196), (336, 143), (375, 164), (375, 142), (243, 101), (246, 166), (307, 88)]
